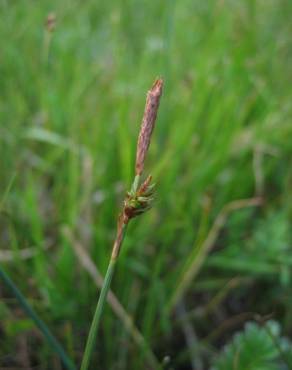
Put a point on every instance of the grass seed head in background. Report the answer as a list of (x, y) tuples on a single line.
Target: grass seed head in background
[(51, 22)]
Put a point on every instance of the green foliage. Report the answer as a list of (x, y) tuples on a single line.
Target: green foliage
[(256, 348), (70, 109), (264, 248)]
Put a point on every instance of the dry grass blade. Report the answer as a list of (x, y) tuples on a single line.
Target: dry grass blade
[(192, 270), (190, 337), (22, 254)]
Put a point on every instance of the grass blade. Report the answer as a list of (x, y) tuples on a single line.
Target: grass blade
[(52, 341)]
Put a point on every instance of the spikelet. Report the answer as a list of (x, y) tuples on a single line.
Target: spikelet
[(140, 201), (148, 123)]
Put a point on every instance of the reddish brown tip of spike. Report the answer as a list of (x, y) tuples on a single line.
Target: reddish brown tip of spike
[(148, 123)]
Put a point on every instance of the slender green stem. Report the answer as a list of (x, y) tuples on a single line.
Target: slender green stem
[(56, 346), (105, 289), (100, 305), (97, 315)]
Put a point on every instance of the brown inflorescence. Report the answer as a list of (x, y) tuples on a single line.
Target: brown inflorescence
[(138, 201), (148, 123)]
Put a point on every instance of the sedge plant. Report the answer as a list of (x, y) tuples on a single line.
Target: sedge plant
[(137, 201)]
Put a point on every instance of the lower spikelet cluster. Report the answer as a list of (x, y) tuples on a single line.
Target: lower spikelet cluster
[(139, 201)]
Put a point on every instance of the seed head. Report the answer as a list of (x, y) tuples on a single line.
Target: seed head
[(148, 123), (51, 22), (137, 203)]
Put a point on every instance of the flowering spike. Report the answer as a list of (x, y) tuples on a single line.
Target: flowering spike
[(148, 123)]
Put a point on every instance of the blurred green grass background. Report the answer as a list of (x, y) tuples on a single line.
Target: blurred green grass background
[(71, 103)]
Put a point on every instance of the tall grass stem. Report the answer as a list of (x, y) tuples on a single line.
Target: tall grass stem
[(136, 202), (100, 304), (97, 315)]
